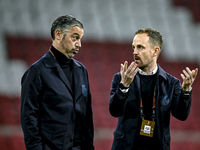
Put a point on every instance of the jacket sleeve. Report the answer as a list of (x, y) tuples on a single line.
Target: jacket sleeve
[(30, 101), (181, 103), (90, 119), (117, 97)]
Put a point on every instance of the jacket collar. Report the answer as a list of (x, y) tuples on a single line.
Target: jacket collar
[(162, 73), (50, 61)]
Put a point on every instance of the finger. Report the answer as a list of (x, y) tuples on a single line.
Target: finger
[(125, 66), (189, 72), (122, 68), (195, 73), (131, 65), (183, 77), (134, 69), (134, 72), (131, 68), (186, 74)]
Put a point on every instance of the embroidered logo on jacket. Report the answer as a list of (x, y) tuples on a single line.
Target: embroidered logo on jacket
[(164, 100), (84, 90)]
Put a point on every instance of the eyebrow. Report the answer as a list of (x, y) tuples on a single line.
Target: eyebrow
[(138, 45), (76, 34)]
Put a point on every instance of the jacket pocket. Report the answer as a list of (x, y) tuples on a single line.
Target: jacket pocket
[(53, 134), (118, 140)]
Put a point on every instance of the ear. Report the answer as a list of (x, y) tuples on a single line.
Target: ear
[(156, 51), (58, 34)]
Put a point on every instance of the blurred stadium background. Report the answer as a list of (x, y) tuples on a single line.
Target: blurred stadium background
[(109, 27)]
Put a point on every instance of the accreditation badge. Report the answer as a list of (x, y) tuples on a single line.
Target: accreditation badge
[(147, 128)]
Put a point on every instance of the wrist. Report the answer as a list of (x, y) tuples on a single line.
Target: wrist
[(188, 89), (123, 85), (123, 89), (187, 92)]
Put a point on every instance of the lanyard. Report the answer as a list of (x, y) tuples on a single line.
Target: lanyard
[(52, 53), (153, 107)]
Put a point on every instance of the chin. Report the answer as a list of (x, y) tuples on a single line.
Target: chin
[(139, 65), (71, 56)]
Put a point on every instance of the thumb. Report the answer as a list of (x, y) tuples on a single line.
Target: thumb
[(194, 73)]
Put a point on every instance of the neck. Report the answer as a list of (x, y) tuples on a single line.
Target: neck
[(58, 47), (148, 69)]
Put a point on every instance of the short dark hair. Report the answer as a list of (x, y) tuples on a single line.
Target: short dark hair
[(63, 23), (155, 38)]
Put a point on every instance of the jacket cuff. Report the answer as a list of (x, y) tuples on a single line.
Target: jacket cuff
[(123, 89), (187, 92)]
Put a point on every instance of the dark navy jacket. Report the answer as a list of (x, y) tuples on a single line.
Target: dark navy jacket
[(49, 106), (170, 99)]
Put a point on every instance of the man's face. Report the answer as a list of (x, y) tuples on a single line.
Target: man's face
[(71, 42), (142, 52)]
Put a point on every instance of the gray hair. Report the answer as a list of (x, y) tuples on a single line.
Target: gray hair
[(64, 24)]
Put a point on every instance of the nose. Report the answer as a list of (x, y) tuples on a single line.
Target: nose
[(135, 51), (78, 43)]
